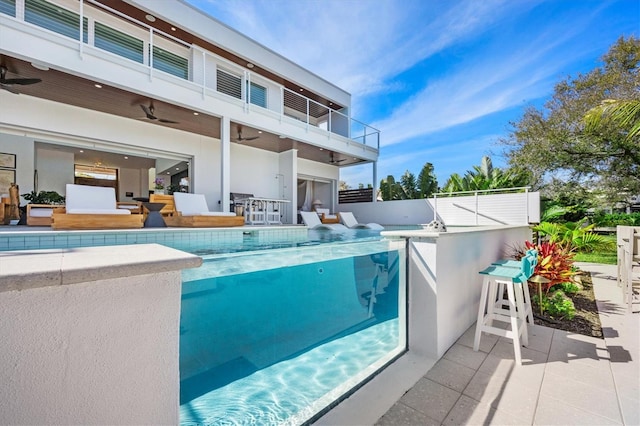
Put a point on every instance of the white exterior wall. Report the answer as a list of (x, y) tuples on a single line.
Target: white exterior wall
[(445, 285), (254, 171), (397, 212), (49, 122), (91, 335), (23, 148), (55, 169), (512, 209)]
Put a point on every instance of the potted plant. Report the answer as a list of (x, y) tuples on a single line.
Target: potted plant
[(43, 197), (158, 185)]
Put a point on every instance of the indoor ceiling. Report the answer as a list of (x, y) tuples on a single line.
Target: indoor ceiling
[(62, 87)]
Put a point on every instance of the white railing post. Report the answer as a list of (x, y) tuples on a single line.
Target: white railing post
[(150, 54), (307, 113), (281, 103), (476, 209), (204, 74), (435, 206), (526, 202)]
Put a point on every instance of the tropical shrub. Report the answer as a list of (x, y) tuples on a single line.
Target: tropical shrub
[(615, 219), (554, 263), (572, 236), (556, 305)]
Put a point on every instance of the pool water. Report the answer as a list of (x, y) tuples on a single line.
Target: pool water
[(275, 337)]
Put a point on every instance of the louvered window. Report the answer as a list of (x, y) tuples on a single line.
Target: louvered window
[(8, 7), (54, 18), (117, 42), (229, 84), (258, 95), (170, 62)]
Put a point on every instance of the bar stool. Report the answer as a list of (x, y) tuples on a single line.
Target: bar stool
[(511, 263), (496, 278)]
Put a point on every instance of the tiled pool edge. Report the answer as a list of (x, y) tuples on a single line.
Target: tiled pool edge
[(33, 239)]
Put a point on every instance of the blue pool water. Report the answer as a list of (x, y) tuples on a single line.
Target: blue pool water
[(274, 337)]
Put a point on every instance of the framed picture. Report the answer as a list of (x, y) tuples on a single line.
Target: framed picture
[(7, 177), (7, 160)]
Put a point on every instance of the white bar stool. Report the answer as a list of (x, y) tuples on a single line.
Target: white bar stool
[(496, 278)]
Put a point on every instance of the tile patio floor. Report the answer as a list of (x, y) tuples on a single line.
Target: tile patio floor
[(565, 379)]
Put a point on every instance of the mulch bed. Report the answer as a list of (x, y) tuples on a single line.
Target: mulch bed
[(586, 321)]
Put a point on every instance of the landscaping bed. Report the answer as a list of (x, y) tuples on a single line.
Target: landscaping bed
[(586, 320)]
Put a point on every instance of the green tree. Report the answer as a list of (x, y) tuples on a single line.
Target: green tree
[(409, 185), (569, 139), (391, 190), (427, 181), (485, 176)]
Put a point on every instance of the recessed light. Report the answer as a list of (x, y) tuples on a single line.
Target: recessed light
[(177, 168), (126, 158), (168, 173), (282, 137), (259, 131), (330, 103), (99, 86), (302, 90), (40, 67), (150, 18), (196, 113), (173, 28), (321, 149), (81, 150), (250, 65)]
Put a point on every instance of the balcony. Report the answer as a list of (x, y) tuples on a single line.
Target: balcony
[(210, 81)]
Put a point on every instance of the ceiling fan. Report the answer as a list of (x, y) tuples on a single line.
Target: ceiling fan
[(150, 114), (8, 83), (241, 139), (334, 161)]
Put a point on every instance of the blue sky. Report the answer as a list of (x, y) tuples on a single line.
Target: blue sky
[(441, 79)]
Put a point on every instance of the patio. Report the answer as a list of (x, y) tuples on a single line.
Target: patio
[(565, 378)]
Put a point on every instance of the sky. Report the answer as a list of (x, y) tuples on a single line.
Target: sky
[(440, 79)]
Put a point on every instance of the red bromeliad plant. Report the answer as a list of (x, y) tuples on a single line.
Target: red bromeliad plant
[(554, 263)]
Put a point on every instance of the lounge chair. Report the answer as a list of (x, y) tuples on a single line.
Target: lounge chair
[(192, 211), (312, 221), (349, 220), (93, 207), (326, 217)]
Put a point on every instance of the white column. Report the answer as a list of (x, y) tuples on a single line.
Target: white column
[(375, 181), (225, 163)]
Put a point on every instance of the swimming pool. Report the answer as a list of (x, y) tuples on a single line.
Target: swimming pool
[(277, 324), (275, 337)]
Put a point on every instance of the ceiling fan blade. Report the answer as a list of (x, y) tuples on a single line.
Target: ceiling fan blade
[(21, 81), (162, 120), (148, 112), (9, 88), (251, 138)]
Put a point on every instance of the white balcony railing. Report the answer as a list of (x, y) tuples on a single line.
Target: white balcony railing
[(99, 26)]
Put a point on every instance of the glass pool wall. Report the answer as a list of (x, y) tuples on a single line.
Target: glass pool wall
[(275, 337)]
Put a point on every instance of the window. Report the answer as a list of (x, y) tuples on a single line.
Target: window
[(8, 7), (171, 63), (229, 84), (54, 18), (117, 42), (95, 172), (258, 95)]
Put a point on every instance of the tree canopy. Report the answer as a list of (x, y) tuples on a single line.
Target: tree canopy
[(586, 134), (485, 176)]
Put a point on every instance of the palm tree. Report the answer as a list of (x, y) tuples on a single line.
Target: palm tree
[(623, 113), (485, 176)]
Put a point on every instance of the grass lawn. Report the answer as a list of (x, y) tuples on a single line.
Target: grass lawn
[(607, 256)]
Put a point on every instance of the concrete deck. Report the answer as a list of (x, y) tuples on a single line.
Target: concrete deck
[(565, 379)]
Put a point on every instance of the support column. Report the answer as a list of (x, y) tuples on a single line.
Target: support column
[(225, 163), (375, 181)]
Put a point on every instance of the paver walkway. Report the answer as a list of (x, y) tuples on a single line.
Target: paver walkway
[(565, 379)]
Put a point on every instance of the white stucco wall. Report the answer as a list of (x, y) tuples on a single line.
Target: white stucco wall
[(23, 148), (55, 169), (445, 285), (81, 348), (398, 212)]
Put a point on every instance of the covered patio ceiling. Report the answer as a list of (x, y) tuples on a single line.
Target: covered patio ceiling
[(65, 88)]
